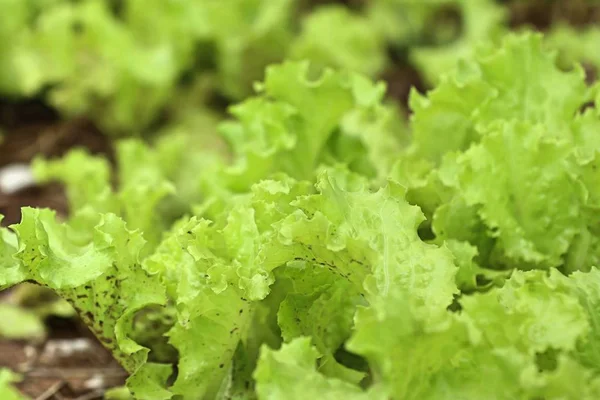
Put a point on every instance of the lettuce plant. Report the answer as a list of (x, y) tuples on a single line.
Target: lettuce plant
[(333, 255), (98, 58)]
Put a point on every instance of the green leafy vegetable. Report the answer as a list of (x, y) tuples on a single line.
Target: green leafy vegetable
[(7, 377), (290, 371), (482, 20), (19, 323), (332, 251), (335, 37)]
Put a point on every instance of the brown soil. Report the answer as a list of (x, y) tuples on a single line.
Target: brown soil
[(401, 79), (31, 129), (541, 14), (49, 371)]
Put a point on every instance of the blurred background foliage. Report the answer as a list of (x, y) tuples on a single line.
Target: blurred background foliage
[(132, 66)]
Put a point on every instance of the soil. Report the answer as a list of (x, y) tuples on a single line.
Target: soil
[(541, 14), (73, 368), (401, 78), (31, 129)]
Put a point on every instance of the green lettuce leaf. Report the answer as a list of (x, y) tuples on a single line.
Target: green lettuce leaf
[(518, 341), (7, 377), (533, 216), (333, 36), (515, 172), (143, 184), (406, 23), (323, 311), (574, 45), (20, 324), (587, 291), (289, 125), (99, 275), (481, 21), (289, 373), (248, 36), (485, 89)]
